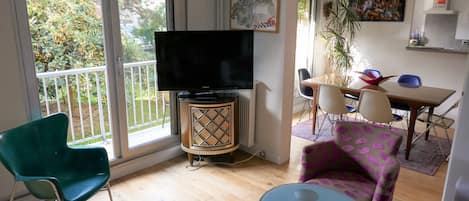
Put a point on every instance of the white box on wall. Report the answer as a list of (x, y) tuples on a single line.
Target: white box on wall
[(440, 31), (462, 29)]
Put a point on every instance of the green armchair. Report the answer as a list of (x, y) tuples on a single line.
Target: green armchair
[(37, 154)]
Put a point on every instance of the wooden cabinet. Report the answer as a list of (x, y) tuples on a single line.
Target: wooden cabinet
[(209, 125)]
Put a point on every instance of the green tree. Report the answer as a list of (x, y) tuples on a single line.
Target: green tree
[(303, 10), (151, 20), (65, 34), (149, 17), (132, 51)]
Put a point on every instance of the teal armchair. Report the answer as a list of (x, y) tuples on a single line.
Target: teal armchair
[(37, 154)]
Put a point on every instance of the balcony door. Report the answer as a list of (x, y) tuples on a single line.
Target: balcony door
[(148, 111), (95, 61)]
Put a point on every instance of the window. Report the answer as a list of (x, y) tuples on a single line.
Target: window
[(97, 64), (305, 35)]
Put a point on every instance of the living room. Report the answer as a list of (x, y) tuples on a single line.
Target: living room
[(380, 44)]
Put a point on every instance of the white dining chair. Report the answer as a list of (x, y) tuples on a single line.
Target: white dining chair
[(331, 102), (374, 106)]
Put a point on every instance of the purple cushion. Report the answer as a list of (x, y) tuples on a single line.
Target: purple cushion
[(353, 184), (370, 145)]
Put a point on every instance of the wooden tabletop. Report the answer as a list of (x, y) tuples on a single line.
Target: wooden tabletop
[(428, 96)]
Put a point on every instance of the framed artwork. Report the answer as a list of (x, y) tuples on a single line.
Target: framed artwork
[(258, 15), (378, 10)]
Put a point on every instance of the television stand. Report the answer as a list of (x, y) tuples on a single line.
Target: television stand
[(205, 95), (209, 124)]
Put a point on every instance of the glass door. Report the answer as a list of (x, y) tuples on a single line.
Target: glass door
[(95, 61), (305, 32), (147, 109), (69, 58)]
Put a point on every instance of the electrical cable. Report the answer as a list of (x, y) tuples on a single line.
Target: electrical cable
[(200, 165)]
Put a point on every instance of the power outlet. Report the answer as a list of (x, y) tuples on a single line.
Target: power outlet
[(261, 154), (465, 43)]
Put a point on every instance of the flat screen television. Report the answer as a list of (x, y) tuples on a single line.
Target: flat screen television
[(204, 60)]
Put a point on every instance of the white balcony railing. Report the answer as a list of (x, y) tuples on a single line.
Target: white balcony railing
[(83, 95)]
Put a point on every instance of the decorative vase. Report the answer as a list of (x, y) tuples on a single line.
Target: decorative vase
[(371, 79)]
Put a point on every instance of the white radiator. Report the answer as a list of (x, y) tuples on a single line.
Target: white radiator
[(247, 116)]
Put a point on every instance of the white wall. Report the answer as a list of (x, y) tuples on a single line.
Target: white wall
[(273, 67), (459, 161), (12, 89), (381, 45)]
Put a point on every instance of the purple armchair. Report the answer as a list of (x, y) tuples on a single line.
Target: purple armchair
[(361, 161)]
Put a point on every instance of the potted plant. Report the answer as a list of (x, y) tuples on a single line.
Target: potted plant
[(339, 31)]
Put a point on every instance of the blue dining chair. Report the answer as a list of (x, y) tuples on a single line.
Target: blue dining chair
[(408, 80)]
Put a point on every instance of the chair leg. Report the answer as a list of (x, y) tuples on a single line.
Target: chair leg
[(320, 127), (332, 122), (13, 191), (447, 137), (109, 191), (449, 144), (56, 192), (303, 113)]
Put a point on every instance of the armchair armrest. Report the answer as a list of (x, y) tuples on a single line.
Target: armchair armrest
[(324, 156), (44, 187), (88, 159), (387, 180), (35, 178)]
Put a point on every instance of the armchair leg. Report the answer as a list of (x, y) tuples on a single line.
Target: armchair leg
[(109, 191), (13, 191), (57, 195)]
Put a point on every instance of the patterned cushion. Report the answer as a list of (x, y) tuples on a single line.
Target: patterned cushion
[(353, 184), (370, 145)]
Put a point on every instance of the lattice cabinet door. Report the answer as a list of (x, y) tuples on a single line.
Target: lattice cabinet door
[(212, 126)]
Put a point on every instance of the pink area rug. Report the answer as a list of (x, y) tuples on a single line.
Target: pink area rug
[(425, 156)]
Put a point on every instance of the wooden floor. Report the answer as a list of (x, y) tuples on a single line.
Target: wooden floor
[(174, 180)]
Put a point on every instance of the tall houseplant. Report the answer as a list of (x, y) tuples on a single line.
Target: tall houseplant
[(339, 32)]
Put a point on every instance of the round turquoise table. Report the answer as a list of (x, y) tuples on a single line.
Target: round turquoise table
[(303, 192)]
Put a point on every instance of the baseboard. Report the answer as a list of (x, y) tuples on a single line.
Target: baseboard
[(274, 158)]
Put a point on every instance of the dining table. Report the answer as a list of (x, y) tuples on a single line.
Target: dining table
[(414, 97)]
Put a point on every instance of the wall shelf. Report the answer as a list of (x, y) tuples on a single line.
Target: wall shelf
[(441, 12), (438, 49)]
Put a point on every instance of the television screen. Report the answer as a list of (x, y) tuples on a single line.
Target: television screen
[(204, 60)]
